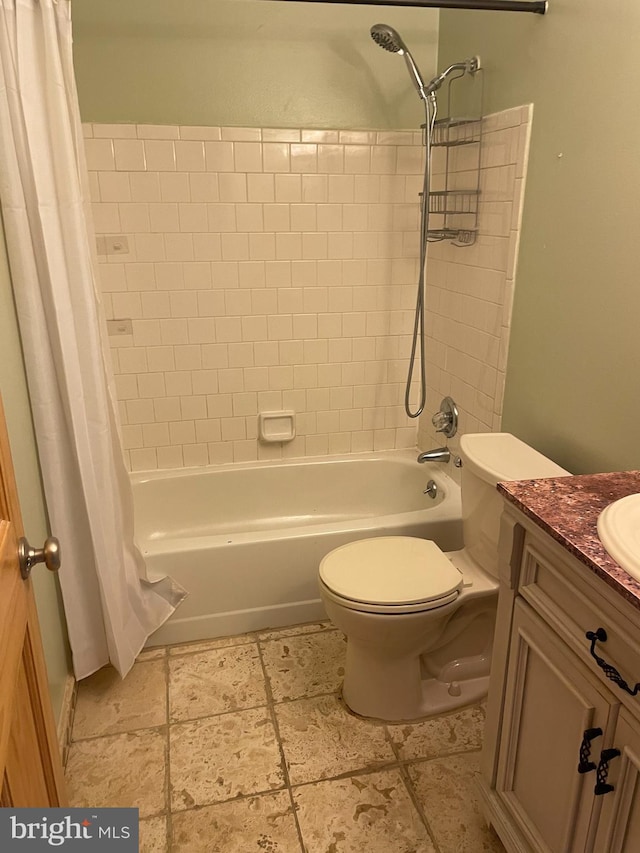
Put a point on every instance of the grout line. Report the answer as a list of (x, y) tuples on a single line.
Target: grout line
[(283, 761), (406, 778), (167, 782)]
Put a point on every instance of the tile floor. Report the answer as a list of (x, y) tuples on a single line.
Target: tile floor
[(242, 744)]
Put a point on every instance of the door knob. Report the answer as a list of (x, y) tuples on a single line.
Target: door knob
[(28, 557)]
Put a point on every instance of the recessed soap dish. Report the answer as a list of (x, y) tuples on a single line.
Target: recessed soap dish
[(276, 426)]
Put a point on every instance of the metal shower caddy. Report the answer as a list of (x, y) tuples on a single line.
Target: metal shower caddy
[(453, 209)]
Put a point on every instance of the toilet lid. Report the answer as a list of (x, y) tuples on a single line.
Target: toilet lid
[(391, 570)]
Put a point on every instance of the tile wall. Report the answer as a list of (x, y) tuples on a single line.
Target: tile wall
[(469, 294), (258, 270)]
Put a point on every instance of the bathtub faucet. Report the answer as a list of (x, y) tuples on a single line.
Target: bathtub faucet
[(440, 454)]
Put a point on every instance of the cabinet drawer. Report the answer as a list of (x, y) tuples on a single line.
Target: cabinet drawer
[(565, 596)]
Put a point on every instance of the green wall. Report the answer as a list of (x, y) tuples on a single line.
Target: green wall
[(573, 388), (246, 63), (13, 388)]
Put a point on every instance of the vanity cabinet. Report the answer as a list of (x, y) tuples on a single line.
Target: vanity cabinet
[(561, 761)]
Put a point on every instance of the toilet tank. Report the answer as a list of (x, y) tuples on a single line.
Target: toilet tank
[(487, 459)]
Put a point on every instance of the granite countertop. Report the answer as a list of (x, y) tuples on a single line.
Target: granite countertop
[(567, 508)]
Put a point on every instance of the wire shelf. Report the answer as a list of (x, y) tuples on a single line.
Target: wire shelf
[(452, 202), (451, 132)]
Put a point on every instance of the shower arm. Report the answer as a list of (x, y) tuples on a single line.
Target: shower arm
[(538, 7)]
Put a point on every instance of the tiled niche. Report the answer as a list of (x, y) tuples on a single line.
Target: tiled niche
[(254, 270)]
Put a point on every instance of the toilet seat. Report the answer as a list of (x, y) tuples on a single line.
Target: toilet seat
[(390, 574)]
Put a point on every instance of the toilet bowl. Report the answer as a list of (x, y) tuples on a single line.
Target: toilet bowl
[(419, 622)]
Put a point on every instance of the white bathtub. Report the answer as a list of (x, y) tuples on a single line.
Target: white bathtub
[(245, 540)]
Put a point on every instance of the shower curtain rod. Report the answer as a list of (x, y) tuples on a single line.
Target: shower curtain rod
[(538, 7)]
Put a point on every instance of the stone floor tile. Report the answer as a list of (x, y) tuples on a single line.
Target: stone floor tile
[(153, 835), (108, 704), (446, 790), (457, 732), (209, 645), (120, 770), (371, 813), (305, 664), (222, 757), (265, 823), (215, 682), (321, 739), (295, 630)]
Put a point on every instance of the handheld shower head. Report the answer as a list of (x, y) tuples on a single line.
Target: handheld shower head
[(389, 39)]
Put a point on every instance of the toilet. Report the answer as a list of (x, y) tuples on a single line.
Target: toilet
[(419, 622)]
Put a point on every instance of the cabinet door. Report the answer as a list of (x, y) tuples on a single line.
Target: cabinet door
[(551, 699), (619, 826)]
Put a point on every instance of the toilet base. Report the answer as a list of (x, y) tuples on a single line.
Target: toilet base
[(436, 697)]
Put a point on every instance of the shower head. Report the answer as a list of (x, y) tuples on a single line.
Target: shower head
[(389, 39)]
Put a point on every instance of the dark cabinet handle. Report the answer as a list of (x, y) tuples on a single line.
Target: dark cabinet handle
[(611, 673), (585, 765), (602, 786)]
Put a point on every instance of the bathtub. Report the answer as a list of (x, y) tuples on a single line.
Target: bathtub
[(245, 540)]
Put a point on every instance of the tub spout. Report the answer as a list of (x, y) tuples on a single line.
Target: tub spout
[(440, 454)]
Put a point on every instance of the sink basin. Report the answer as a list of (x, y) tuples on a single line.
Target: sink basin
[(619, 532)]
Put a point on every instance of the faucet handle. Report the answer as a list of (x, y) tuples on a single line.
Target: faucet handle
[(446, 419), (441, 421)]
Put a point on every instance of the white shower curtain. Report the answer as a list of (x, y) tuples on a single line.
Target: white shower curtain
[(111, 607)]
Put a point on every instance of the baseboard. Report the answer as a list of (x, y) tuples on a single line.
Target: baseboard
[(65, 721)]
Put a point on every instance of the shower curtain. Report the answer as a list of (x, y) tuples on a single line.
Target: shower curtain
[(110, 605)]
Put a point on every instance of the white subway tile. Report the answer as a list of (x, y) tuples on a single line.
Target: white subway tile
[(288, 188), (197, 275), (232, 187), (174, 186), (145, 186), (211, 303), (129, 155), (149, 247), (278, 273), (174, 332), (276, 217), (164, 217), (288, 246), (249, 217), (207, 247), (315, 188), (179, 247), (114, 186), (252, 273), (266, 354), (200, 133), (280, 135), (247, 156), (99, 154), (219, 156), (190, 156), (235, 247), (260, 188), (357, 159), (182, 432), (314, 246), (106, 218), (143, 460), (204, 187), (193, 217)]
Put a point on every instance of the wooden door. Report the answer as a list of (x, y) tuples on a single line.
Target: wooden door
[(551, 700), (30, 766)]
